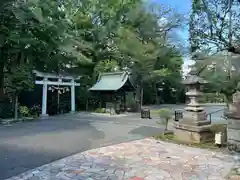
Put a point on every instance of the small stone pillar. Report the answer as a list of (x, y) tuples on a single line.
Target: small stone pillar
[(233, 125), (194, 126)]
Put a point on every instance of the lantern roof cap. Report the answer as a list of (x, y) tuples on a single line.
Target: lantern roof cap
[(193, 78)]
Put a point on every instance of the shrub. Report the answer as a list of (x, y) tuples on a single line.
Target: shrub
[(212, 98), (100, 110), (6, 110), (36, 110), (24, 111), (165, 115)]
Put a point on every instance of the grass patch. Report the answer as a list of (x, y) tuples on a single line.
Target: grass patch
[(154, 111), (235, 171), (233, 174), (171, 138), (166, 137), (100, 110)]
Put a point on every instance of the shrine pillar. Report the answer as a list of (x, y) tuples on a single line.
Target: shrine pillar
[(73, 96), (44, 97)]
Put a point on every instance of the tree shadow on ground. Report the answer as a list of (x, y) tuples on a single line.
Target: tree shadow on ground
[(43, 126), (147, 131), (28, 145), (71, 167), (15, 160)]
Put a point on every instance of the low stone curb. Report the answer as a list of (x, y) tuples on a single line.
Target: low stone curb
[(6, 122), (108, 115), (213, 104)]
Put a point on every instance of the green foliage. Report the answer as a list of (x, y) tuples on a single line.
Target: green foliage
[(212, 98), (210, 25), (86, 38), (165, 115), (6, 110), (213, 30), (165, 137), (166, 76), (106, 66), (35, 110), (19, 78), (100, 110), (29, 112), (172, 139), (219, 73), (24, 111)]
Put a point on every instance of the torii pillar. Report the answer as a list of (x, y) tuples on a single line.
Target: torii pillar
[(44, 98), (73, 99)]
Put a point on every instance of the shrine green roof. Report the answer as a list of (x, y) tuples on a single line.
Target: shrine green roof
[(110, 81)]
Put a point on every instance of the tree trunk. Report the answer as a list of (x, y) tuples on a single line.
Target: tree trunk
[(166, 125), (58, 101), (138, 98), (86, 105), (1, 81), (125, 102), (16, 107), (156, 95), (141, 100)]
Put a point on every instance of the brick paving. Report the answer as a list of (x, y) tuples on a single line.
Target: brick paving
[(145, 159)]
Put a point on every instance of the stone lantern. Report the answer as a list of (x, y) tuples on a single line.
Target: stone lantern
[(233, 123), (194, 126)]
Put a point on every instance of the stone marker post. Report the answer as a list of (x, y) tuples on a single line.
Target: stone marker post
[(194, 126), (233, 125)]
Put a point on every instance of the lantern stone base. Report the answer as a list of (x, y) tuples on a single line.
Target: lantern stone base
[(43, 116), (193, 134), (195, 118)]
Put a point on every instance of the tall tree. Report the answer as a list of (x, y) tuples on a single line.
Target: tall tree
[(221, 71), (214, 28), (85, 37), (214, 25)]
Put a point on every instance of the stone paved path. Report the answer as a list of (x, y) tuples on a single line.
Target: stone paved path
[(145, 159)]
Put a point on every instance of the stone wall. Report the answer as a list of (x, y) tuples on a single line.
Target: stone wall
[(233, 134)]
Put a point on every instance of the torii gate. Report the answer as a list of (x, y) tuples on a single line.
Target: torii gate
[(61, 81)]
